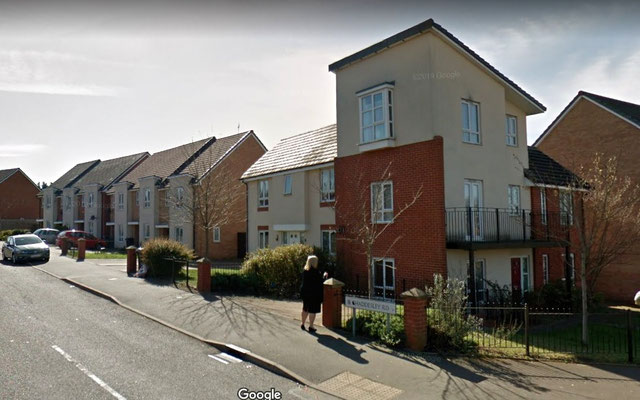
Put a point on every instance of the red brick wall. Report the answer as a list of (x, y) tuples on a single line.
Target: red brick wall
[(420, 249), (556, 254), (234, 166), (18, 198), (585, 130)]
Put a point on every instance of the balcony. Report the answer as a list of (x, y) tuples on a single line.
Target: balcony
[(495, 228)]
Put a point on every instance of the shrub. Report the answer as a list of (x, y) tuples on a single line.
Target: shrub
[(10, 232), (554, 295), (449, 325), (236, 281), (374, 325), (155, 254), (278, 271)]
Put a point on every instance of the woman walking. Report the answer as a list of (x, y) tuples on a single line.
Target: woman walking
[(311, 292)]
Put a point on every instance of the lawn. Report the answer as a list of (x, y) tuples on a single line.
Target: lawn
[(104, 255), (193, 275)]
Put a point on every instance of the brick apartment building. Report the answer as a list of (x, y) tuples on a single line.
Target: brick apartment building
[(592, 124), (420, 112), (19, 206)]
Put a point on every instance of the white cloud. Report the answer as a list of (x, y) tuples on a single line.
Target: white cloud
[(50, 72), (20, 150)]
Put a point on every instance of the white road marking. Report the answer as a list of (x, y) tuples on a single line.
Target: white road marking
[(230, 358), (89, 374), (113, 279), (219, 359)]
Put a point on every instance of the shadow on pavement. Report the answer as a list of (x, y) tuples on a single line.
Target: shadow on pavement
[(342, 347)]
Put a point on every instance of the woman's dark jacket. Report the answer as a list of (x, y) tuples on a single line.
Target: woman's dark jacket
[(311, 289)]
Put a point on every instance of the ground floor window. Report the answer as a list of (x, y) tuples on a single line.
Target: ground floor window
[(480, 281), (572, 268), (520, 274), (216, 234), (147, 231), (120, 233), (329, 241), (384, 276), (90, 227), (179, 234), (545, 269), (263, 239)]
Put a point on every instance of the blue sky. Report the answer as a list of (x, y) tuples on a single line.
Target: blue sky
[(82, 81)]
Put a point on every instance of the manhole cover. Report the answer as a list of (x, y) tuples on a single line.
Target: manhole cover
[(354, 387)]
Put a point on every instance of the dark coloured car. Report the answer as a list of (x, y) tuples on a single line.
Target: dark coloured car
[(73, 235), (48, 235), (19, 248)]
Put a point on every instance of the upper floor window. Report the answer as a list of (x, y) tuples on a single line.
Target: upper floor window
[(263, 194), (47, 201), (566, 207), (512, 130), (382, 202), (543, 206), (179, 196), (513, 194), (67, 203), (90, 200), (287, 184), (376, 115), (120, 201), (470, 122), (147, 198), (328, 185), (137, 198)]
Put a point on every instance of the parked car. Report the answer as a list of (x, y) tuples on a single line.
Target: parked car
[(73, 235), (48, 235), (24, 247)]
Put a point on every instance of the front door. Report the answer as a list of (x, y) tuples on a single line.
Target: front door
[(473, 202), (293, 237)]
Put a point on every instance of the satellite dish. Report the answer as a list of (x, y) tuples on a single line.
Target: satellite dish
[(636, 299)]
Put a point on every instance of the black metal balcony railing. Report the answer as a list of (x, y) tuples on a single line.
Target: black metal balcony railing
[(495, 225)]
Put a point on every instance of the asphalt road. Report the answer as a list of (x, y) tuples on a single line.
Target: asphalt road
[(59, 342)]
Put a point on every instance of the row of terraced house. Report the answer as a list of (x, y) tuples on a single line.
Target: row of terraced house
[(430, 147)]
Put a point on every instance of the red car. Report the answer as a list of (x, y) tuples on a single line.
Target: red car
[(73, 236)]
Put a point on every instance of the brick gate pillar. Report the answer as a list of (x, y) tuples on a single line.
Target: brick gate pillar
[(415, 318), (82, 248), (64, 246), (204, 276), (332, 303), (131, 260)]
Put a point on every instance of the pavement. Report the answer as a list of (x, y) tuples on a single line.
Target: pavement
[(267, 333)]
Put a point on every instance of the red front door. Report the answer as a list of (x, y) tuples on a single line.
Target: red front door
[(515, 276)]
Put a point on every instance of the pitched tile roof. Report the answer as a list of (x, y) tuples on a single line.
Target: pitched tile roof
[(303, 150), (545, 170), (164, 163), (419, 29), (74, 174), (6, 173), (106, 172), (210, 155), (629, 111)]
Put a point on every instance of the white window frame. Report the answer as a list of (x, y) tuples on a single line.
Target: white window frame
[(572, 268), (565, 200), (263, 193), (179, 232), (543, 207), (216, 234), (147, 198), (263, 239), (90, 201), (82, 200), (468, 133), (513, 197), (387, 114), (120, 201), (288, 185), (146, 231), (90, 227), (511, 134), (328, 191), (120, 233), (381, 216), (67, 200), (179, 196), (385, 285), (483, 292), (137, 195), (522, 274), (332, 234), (545, 269), (47, 202)]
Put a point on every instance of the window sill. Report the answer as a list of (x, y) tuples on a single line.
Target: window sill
[(378, 144), (330, 203), (261, 209)]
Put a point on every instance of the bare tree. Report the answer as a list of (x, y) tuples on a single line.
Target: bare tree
[(606, 222), (369, 218), (214, 198)]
